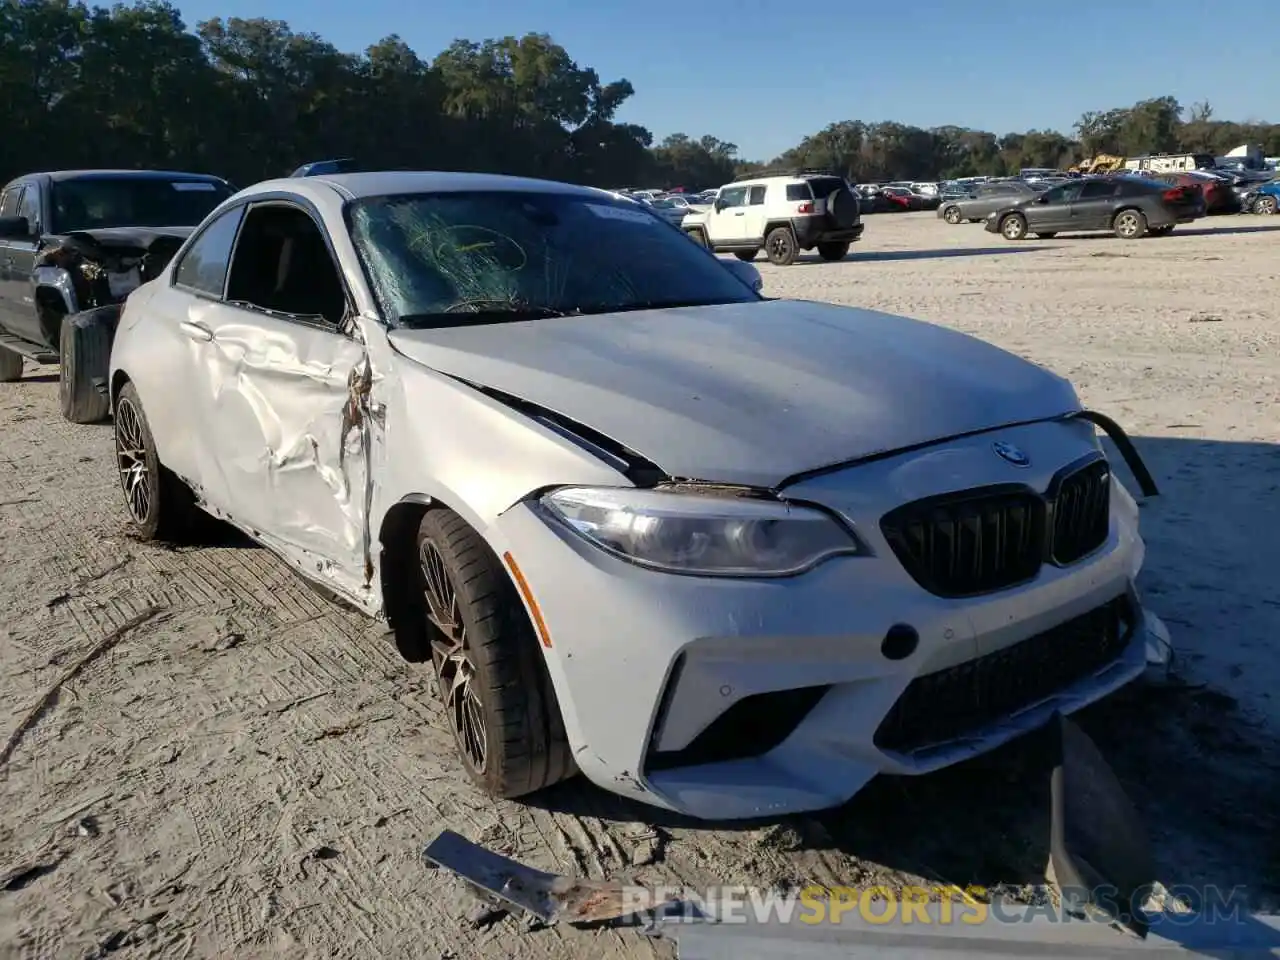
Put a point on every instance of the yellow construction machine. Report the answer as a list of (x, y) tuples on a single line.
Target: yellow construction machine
[(1102, 163)]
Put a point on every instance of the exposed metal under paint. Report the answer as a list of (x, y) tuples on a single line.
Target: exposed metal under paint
[(357, 415)]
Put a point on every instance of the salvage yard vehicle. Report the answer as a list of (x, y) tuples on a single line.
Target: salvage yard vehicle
[(1262, 198), (986, 198), (1130, 206), (643, 523), (800, 210), (73, 244)]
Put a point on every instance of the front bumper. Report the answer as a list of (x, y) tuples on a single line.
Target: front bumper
[(649, 666)]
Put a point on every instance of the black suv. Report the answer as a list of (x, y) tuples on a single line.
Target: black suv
[(73, 245)]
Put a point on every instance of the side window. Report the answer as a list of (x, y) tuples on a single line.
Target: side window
[(734, 197), (1071, 191), (282, 264), (1098, 190), (757, 196), (29, 207), (798, 193), (9, 201), (1066, 193), (204, 266)]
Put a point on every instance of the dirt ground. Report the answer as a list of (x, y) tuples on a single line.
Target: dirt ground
[(250, 770)]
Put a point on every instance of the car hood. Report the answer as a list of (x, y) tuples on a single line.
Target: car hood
[(750, 393)]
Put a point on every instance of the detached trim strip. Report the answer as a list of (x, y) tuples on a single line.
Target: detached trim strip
[(1146, 482), (535, 611)]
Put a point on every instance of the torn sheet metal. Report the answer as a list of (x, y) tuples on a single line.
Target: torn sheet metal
[(289, 406), (92, 268), (551, 897)]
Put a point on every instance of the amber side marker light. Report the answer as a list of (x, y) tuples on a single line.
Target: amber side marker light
[(523, 586)]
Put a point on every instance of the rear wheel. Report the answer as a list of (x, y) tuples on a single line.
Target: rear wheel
[(491, 678), (780, 246), (1130, 224), (952, 215), (10, 365), (1014, 226), (833, 251), (160, 505), (746, 256)]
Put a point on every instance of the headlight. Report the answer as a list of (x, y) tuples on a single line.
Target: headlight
[(701, 534)]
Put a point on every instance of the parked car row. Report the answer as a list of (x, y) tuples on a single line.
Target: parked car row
[(587, 474), (1133, 205)]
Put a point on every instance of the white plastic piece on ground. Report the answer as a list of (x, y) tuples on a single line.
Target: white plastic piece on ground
[(1018, 931), (1159, 646)]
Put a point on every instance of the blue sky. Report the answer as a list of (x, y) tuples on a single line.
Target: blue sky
[(762, 74)]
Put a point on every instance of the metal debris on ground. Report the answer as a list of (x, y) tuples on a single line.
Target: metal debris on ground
[(550, 897)]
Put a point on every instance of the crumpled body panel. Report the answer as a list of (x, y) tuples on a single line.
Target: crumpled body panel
[(285, 410)]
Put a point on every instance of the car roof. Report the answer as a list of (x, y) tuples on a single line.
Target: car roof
[(60, 175), (357, 185)]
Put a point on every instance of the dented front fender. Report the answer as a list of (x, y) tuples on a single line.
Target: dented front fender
[(451, 443)]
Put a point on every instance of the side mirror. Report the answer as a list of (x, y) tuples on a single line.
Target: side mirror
[(14, 228), (747, 273), (719, 204)]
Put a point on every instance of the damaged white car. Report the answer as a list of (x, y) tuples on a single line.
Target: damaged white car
[(727, 555)]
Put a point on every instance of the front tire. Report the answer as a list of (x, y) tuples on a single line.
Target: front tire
[(1014, 227), (84, 348), (1265, 206), (1130, 225), (833, 252), (160, 505), (10, 365), (951, 215), (490, 676), (746, 256), (780, 247)]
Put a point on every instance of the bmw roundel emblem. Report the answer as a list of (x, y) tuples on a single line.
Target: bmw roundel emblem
[(1011, 454)]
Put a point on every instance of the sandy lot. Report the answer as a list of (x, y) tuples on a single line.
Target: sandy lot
[(252, 771)]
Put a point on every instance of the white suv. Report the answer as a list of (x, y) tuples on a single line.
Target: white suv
[(781, 214)]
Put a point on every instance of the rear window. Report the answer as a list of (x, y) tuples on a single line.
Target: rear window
[(822, 186), (1145, 183), (90, 203), (798, 192)]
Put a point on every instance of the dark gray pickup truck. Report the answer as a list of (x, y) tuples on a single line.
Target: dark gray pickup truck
[(73, 245)]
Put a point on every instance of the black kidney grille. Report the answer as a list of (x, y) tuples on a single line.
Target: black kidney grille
[(965, 698), (978, 543), (1082, 513), (989, 539)]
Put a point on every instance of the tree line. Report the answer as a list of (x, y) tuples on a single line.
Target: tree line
[(131, 86)]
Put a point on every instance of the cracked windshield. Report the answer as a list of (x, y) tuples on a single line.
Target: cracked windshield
[(533, 481)]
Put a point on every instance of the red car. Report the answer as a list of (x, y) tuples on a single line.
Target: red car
[(902, 197), (1218, 195)]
